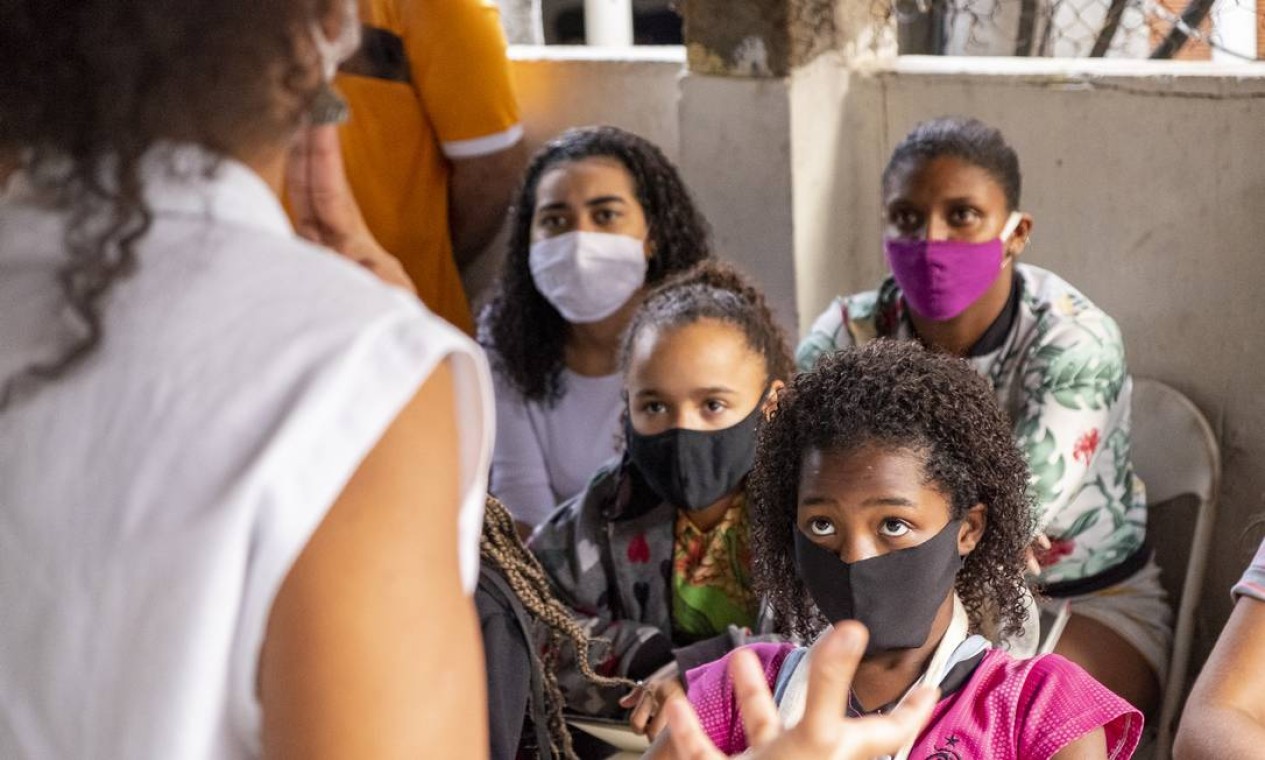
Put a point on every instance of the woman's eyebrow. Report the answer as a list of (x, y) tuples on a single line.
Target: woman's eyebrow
[(971, 199), (603, 199), (555, 206)]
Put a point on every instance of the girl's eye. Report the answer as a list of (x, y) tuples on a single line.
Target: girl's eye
[(604, 216), (963, 216), (551, 223), (893, 528), (905, 220), (653, 407), (820, 526), (715, 406)]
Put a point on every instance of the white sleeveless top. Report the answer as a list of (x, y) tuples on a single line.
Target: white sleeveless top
[(153, 500)]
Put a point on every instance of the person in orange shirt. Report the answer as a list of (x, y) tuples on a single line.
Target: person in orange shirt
[(433, 148)]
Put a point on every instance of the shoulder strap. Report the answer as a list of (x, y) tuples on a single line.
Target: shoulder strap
[(540, 721), (789, 665)]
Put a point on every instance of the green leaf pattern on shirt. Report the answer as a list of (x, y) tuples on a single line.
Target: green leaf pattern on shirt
[(1061, 376)]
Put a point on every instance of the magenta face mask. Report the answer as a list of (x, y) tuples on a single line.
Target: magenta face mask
[(940, 278)]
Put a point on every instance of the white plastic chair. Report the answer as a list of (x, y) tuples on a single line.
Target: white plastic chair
[(1176, 455)]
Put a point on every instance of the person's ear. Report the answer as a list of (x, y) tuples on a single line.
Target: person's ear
[(974, 522), (770, 399), (1019, 238)]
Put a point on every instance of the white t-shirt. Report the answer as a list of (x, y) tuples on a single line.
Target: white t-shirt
[(545, 454), (153, 500)]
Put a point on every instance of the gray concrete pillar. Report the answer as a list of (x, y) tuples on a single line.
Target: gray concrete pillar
[(761, 114)]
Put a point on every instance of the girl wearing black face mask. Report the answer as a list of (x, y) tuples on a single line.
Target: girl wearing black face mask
[(887, 490), (656, 547)]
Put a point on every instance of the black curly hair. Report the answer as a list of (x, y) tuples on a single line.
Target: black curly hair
[(899, 396), (525, 332), (90, 87), (971, 140), (714, 290)]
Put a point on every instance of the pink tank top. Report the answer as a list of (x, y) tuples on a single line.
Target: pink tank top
[(1008, 709)]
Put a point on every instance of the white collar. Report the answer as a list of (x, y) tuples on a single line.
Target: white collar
[(187, 179), (957, 645)]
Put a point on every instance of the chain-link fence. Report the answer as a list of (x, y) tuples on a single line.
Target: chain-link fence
[(1078, 28)]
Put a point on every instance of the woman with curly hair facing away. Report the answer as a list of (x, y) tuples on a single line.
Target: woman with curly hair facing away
[(887, 490), (525, 628), (240, 477), (654, 553), (953, 238), (601, 216)]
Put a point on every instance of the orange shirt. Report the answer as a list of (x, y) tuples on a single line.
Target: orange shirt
[(431, 83)]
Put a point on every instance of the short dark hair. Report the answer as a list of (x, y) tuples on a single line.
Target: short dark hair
[(526, 333), (713, 290), (968, 139), (899, 396)]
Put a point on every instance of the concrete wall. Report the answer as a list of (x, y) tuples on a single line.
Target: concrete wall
[(736, 158), (562, 87), (1147, 184), (634, 88)]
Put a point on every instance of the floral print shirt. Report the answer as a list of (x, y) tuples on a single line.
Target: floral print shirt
[(711, 576), (1060, 375), (609, 554)]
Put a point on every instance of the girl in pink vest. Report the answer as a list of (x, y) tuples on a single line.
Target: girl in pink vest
[(887, 489)]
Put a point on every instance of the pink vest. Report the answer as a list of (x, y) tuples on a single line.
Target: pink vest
[(1008, 708)]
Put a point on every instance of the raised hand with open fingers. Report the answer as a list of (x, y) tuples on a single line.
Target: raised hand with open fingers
[(824, 733)]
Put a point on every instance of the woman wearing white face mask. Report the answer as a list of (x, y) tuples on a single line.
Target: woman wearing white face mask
[(240, 478), (601, 215)]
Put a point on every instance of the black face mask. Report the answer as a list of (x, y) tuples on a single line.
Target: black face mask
[(693, 469), (896, 595)]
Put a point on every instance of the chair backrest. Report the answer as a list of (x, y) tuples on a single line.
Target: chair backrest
[(1174, 449), (1175, 453)]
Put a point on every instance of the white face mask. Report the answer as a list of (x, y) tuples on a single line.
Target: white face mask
[(587, 276), (335, 51)]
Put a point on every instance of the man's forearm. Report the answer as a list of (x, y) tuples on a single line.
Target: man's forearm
[(480, 191)]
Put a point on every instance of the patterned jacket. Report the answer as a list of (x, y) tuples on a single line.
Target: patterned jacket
[(1059, 373), (608, 553)]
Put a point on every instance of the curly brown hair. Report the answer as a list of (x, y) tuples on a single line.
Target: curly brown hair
[(525, 332), (90, 87), (501, 547), (718, 291), (899, 396)]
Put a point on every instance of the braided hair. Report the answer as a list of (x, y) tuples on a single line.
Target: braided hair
[(501, 547), (526, 333)]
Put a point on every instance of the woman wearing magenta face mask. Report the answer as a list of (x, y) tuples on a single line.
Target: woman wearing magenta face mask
[(954, 232)]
